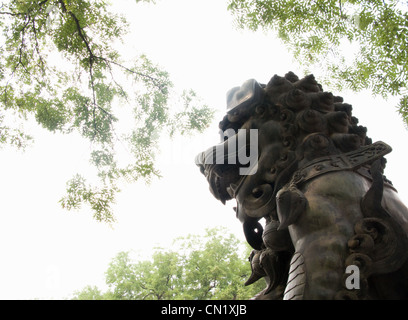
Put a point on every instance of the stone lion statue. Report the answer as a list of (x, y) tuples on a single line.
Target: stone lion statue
[(323, 220)]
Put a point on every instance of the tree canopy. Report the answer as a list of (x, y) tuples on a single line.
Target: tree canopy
[(213, 266), (60, 66), (360, 44)]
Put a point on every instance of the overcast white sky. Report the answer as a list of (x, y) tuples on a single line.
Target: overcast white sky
[(48, 252)]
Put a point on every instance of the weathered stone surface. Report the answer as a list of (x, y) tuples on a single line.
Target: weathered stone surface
[(316, 201)]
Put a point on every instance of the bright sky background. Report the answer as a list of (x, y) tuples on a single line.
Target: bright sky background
[(47, 252)]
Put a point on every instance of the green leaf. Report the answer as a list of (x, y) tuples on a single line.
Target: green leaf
[(315, 33), (59, 65), (213, 266)]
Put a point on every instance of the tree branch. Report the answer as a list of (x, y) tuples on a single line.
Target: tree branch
[(12, 14), (22, 44), (92, 56), (37, 47), (16, 14), (152, 79), (79, 29)]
